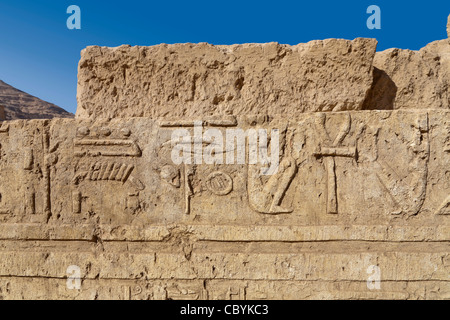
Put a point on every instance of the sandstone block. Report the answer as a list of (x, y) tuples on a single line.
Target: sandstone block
[(186, 80), (113, 202), (405, 79), (256, 171), (19, 288)]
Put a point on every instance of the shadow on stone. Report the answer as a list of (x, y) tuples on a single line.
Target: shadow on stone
[(382, 94)]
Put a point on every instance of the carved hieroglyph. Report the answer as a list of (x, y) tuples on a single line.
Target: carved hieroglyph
[(358, 183), (351, 166), (334, 149), (93, 186)]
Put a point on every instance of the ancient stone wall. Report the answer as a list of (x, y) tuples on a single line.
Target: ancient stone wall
[(194, 80), (363, 177)]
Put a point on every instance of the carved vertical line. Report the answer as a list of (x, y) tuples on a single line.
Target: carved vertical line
[(332, 186), (46, 174), (29, 159), (30, 203), (427, 161), (76, 202), (187, 191), (121, 172)]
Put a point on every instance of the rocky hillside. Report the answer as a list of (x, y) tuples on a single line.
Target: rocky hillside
[(21, 105)]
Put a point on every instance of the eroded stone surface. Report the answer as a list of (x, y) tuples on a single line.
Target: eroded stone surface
[(123, 172), (406, 79), (108, 195), (186, 80), (364, 188), (19, 288)]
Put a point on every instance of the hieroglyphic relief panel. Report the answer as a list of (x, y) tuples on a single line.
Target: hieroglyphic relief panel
[(439, 166), (29, 156), (159, 290), (113, 201), (347, 167), (103, 182), (359, 167), (4, 206), (376, 169)]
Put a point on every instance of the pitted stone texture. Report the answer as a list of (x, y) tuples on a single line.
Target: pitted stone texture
[(123, 172), (105, 196), (184, 80), (406, 79), (56, 289)]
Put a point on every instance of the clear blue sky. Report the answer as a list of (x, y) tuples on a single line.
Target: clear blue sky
[(39, 55)]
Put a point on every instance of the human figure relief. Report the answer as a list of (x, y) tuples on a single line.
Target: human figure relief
[(266, 193)]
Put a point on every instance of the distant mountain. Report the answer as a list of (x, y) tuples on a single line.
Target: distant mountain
[(21, 105)]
